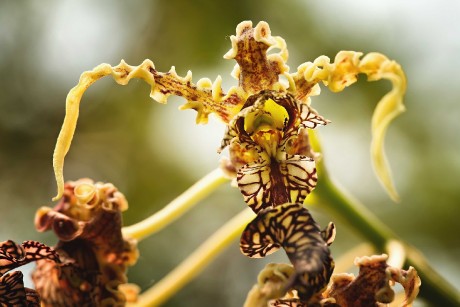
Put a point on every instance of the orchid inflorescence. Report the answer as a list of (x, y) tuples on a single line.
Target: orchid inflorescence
[(272, 160)]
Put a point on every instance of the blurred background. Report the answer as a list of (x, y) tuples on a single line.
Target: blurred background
[(153, 152)]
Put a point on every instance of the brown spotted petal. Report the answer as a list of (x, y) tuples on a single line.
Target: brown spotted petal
[(12, 255), (310, 118), (12, 290), (372, 285), (269, 182), (256, 70), (255, 184), (291, 227)]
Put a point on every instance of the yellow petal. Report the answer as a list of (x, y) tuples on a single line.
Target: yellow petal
[(342, 73), (377, 67)]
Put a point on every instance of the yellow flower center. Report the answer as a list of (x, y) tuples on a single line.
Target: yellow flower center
[(266, 124)]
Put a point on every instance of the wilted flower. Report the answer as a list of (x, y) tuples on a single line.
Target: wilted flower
[(94, 255), (372, 286)]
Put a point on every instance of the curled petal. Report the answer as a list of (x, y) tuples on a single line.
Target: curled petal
[(409, 280), (342, 73), (271, 284), (377, 67), (328, 233), (64, 227), (373, 283)]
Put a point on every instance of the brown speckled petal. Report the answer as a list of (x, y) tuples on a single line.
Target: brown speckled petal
[(291, 227)]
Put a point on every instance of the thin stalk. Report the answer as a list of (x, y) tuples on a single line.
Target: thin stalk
[(196, 262), (177, 207)]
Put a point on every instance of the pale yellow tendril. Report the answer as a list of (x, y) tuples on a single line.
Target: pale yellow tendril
[(121, 74), (342, 73)]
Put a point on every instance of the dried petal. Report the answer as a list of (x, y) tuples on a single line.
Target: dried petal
[(373, 284), (95, 255)]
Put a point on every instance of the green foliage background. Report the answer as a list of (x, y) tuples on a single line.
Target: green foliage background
[(153, 152)]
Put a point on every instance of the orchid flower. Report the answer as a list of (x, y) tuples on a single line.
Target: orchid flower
[(274, 160)]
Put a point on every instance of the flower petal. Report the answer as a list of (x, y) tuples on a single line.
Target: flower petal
[(254, 182), (291, 226), (373, 284), (377, 67), (342, 73), (299, 175), (257, 71), (204, 98), (13, 255), (12, 291)]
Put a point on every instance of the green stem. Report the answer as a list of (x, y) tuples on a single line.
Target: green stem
[(340, 205), (177, 207), (196, 262)]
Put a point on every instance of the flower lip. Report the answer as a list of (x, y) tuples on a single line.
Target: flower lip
[(268, 110), (267, 116)]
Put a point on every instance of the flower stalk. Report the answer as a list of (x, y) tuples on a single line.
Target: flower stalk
[(196, 262), (200, 190)]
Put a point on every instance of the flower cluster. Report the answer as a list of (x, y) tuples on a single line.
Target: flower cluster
[(271, 160)]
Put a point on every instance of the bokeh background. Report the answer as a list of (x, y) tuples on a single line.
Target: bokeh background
[(153, 152)]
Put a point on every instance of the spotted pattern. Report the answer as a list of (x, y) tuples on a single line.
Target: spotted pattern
[(290, 178), (291, 227), (279, 170), (12, 255)]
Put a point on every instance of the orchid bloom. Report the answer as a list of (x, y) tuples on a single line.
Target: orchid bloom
[(257, 72), (269, 124)]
